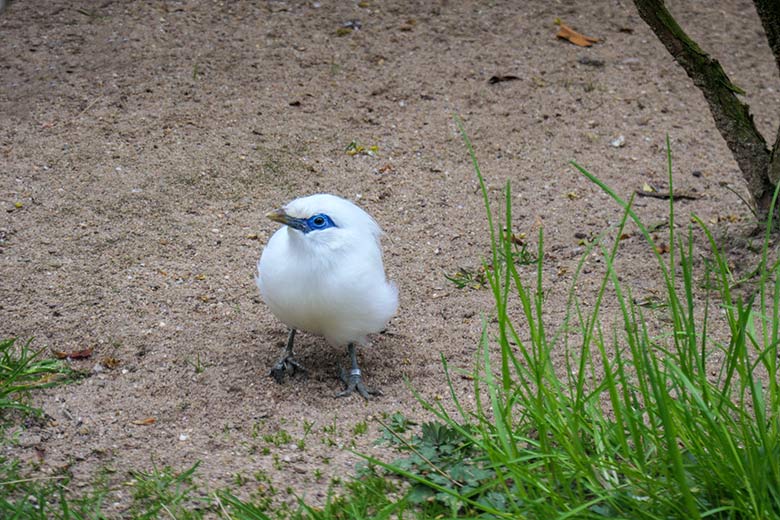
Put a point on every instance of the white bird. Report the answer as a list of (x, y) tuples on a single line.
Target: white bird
[(323, 273)]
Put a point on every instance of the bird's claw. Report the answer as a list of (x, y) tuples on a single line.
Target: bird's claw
[(286, 365), (353, 383)]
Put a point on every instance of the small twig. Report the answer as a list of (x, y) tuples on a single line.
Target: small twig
[(90, 105), (677, 195)]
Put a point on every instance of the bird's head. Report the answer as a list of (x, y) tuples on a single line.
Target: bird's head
[(317, 215)]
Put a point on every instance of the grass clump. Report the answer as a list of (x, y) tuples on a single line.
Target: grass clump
[(23, 369), (644, 422), (165, 492), (154, 494)]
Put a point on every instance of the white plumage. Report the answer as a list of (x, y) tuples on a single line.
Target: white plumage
[(323, 273)]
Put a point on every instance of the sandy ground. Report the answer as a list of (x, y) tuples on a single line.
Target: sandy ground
[(142, 143)]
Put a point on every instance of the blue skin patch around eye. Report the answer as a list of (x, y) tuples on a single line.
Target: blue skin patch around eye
[(316, 222), (319, 222)]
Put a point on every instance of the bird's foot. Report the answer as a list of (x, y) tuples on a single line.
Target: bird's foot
[(353, 383), (286, 365)]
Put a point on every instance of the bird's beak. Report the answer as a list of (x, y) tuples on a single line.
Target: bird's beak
[(281, 216)]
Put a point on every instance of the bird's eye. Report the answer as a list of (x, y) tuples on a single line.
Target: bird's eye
[(319, 222)]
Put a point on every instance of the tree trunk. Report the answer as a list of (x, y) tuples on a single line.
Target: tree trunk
[(732, 117), (769, 12)]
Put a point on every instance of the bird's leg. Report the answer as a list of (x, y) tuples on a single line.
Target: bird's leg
[(354, 381), (287, 362)]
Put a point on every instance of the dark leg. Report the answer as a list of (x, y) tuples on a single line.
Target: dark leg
[(354, 381), (287, 362)]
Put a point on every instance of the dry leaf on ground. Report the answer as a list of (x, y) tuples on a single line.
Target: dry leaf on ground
[(145, 422), (78, 354), (567, 33)]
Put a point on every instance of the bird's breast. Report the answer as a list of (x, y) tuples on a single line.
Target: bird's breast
[(338, 292)]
